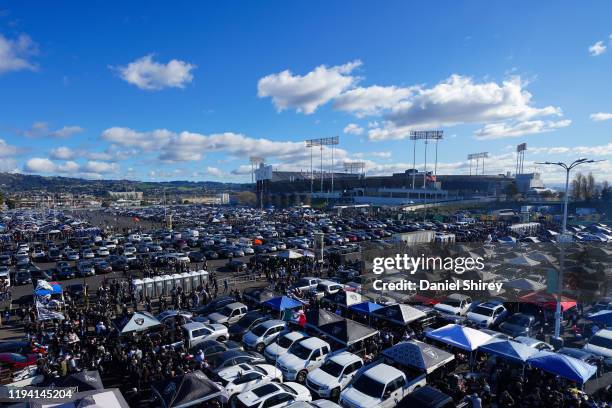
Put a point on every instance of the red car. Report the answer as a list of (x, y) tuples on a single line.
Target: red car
[(16, 361)]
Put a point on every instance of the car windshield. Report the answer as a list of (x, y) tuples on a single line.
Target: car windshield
[(369, 386), (259, 330), (265, 390), (483, 311), (451, 302), (300, 351), (519, 320), (601, 341), (226, 311), (285, 342), (332, 368)]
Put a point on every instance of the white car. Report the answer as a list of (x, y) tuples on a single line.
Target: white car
[(272, 395), (88, 254), (263, 334), (600, 344), (196, 332), (320, 403), (380, 386), (455, 304), (72, 255), (304, 356), (39, 254), (103, 251), (334, 375), (243, 377), (487, 314), (274, 350)]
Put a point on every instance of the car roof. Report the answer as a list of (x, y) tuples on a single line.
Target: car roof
[(295, 335), (489, 305), (235, 305), (313, 342), (605, 333), (194, 325), (345, 358), (270, 323), (382, 371)]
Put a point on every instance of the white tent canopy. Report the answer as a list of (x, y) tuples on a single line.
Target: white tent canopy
[(455, 335)]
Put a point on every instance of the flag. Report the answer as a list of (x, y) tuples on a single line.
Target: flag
[(136, 219)]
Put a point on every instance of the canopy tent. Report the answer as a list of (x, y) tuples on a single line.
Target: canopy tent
[(188, 390), (602, 317), (343, 298), (459, 336), (258, 295), (44, 288), (548, 301), (525, 284), (281, 303), (522, 260), (399, 314), (365, 307), (318, 318), (508, 349), (347, 331), (419, 355), (563, 366), (290, 254), (138, 321), (83, 381)]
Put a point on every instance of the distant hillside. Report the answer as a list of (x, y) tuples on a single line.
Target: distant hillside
[(12, 183)]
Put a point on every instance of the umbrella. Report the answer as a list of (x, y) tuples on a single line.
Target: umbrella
[(563, 366), (511, 350)]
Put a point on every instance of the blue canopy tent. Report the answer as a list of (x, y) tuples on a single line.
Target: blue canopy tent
[(458, 336), (602, 317), (56, 289), (563, 366), (510, 350), (365, 307), (281, 303)]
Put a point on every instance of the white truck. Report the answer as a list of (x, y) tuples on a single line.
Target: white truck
[(379, 386), (303, 357), (334, 375)]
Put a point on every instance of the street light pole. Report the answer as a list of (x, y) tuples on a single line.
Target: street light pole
[(562, 238)]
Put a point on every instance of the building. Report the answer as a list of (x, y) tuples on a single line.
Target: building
[(210, 199), (529, 181), (126, 195)]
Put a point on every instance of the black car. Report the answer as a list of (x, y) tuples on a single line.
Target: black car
[(235, 266), (23, 278), (67, 272), (196, 256), (210, 254), (119, 264), (520, 324), (214, 306), (246, 322), (76, 290), (212, 348)]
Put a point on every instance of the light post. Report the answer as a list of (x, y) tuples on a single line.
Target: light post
[(562, 238)]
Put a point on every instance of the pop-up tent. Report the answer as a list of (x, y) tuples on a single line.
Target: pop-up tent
[(342, 298), (83, 381), (399, 314), (290, 254), (602, 317), (316, 319), (365, 307), (281, 303), (138, 321), (508, 349), (188, 390), (548, 301), (563, 366), (455, 335), (347, 332), (419, 355)]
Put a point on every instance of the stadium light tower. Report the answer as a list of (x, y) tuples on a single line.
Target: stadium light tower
[(354, 167), (477, 157), (255, 161), (424, 135), (563, 237), (520, 157), (324, 141)]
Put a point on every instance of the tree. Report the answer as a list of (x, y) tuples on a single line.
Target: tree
[(606, 192), (246, 198), (584, 187)]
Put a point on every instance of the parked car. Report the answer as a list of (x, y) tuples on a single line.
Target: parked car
[(196, 332), (303, 357), (233, 357), (455, 304), (272, 395), (334, 375), (246, 323), (263, 334), (214, 305), (23, 277), (520, 324), (285, 340), (487, 314), (243, 377)]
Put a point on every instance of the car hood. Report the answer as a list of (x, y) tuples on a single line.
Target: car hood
[(291, 361), (447, 308), (359, 399), (274, 350), (322, 378), (217, 317), (250, 338), (477, 318)]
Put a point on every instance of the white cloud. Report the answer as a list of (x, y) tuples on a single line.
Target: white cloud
[(601, 116), (306, 93), (6, 149), (597, 49), (601, 150), (62, 153), (371, 100), (146, 141), (215, 171), (352, 129), (40, 165), (93, 166), (90, 169), (147, 74), (15, 54), (383, 155), (506, 129), (66, 131)]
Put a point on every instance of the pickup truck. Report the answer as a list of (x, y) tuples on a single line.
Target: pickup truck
[(303, 357), (379, 386)]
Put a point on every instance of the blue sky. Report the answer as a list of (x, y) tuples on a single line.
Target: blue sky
[(189, 90)]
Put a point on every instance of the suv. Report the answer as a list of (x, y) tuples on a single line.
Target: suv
[(246, 323), (379, 386), (85, 269), (520, 324), (334, 375), (487, 314), (455, 304), (263, 334), (282, 345), (229, 314), (196, 332), (303, 357)]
